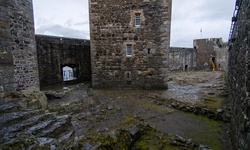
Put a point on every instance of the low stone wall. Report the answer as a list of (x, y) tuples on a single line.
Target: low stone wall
[(239, 79), (182, 59), (56, 52)]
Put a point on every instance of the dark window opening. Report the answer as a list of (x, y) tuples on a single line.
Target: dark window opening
[(149, 51), (136, 38), (127, 76), (186, 67), (69, 72)]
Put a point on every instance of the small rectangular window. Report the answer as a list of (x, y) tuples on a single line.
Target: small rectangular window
[(129, 50), (127, 75), (137, 19)]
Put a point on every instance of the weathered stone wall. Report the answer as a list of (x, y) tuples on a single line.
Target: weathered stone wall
[(221, 58), (182, 59), (207, 49), (199, 57), (18, 61), (56, 52), (112, 27), (239, 79)]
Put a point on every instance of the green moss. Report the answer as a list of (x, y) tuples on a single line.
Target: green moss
[(213, 129), (154, 107), (213, 102), (172, 147), (149, 140), (146, 145), (154, 140), (128, 120)]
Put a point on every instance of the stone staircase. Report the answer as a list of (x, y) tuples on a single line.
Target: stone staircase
[(40, 127)]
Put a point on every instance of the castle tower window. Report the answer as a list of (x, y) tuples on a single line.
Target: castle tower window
[(128, 75), (128, 50), (137, 19)]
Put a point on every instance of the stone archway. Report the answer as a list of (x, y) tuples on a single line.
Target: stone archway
[(69, 72)]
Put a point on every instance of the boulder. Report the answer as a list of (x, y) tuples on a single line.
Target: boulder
[(34, 100)]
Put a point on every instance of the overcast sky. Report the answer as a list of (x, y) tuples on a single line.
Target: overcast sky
[(70, 18)]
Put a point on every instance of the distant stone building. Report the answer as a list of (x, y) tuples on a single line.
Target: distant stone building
[(129, 43), (211, 54), (207, 54), (62, 59)]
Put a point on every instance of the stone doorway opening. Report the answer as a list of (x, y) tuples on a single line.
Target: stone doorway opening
[(69, 72), (213, 63), (186, 67)]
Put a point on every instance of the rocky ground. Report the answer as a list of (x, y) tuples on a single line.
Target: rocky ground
[(192, 113)]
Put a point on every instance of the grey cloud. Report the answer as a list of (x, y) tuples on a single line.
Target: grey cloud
[(71, 23), (81, 23), (189, 16), (59, 30), (215, 10), (214, 16)]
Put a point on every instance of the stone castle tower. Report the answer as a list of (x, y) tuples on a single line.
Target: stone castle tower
[(129, 43), (18, 58)]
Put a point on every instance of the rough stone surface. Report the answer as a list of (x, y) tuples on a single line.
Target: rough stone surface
[(57, 52), (112, 27), (182, 59), (207, 49), (18, 58), (239, 78), (85, 114), (199, 57)]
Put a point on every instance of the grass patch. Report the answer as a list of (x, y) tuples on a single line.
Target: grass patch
[(213, 102), (213, 131)]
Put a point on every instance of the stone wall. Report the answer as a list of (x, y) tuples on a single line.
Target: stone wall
[(208, 50), (199, 57), (239, 78), (57, 52), (18, 58), (112, 29), (221, 57), (182, 59)]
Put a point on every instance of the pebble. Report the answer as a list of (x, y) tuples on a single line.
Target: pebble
[(220, 111)]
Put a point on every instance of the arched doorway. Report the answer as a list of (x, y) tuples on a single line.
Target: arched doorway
[(69, 72)]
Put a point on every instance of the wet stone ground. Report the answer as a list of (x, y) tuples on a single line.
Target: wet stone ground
[(191, 114)]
